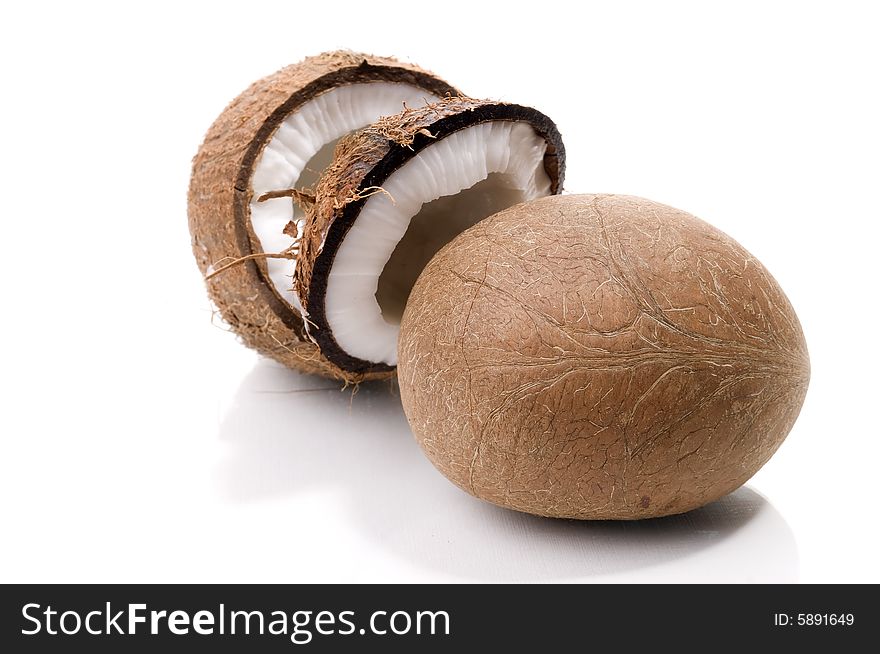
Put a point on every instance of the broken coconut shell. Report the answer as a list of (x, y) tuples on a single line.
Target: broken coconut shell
[(599, 357), (221, 197), (516, 150)]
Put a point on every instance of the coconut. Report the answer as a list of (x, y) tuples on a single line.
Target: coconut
[(395, 193), (262, 154), (599, 357)]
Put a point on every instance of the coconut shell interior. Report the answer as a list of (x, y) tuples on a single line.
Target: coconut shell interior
[(220, 195), (362, 162)]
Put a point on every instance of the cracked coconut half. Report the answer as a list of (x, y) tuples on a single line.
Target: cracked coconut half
[(278, 136), (396, 193)]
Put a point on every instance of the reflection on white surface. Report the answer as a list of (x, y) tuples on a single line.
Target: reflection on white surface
[(290, 434)]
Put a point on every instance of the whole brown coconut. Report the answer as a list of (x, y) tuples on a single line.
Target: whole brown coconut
[(599, 357), (257, 304)]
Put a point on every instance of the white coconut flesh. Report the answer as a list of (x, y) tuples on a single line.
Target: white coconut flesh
[(447, 187), (301, 148)]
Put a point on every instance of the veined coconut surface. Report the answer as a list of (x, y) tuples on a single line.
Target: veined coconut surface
[(599, 357), (395, 193), (279, 135)]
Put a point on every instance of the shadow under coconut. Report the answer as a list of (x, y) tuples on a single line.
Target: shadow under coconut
[(290, 433)]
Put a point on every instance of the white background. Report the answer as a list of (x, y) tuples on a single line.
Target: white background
[(142, 443)]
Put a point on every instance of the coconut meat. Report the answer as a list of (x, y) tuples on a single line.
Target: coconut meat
[(301, 148), (445, 188)]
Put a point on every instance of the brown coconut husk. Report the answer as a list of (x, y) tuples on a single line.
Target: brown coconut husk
[(649, 365), (362, 162), (220, 195)]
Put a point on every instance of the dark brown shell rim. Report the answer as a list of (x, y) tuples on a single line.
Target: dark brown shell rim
[(397, 155)]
